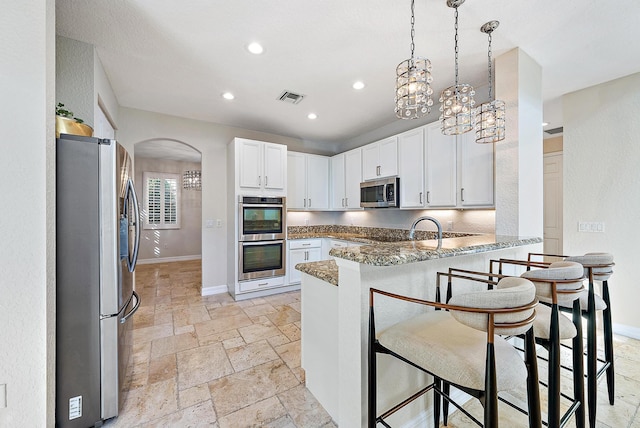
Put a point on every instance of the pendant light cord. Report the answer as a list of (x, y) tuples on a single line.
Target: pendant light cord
[(413, 21), (490, 71), (456, 49)]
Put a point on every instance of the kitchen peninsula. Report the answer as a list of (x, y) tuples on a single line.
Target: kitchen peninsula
[(335, 302)]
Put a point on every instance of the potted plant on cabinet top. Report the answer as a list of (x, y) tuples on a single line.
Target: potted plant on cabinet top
[(67, 124)]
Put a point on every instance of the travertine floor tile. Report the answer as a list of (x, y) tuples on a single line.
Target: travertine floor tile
[(251, 355), (200, 415), (244, 388), (173, 344), (194, 395), (290, 353), (163, 368), (261, 331), (203, 364), (285, 315), (220, 325), (303, 407), (260, 414)]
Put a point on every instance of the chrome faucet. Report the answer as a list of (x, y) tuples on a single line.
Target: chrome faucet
[(412, 230)]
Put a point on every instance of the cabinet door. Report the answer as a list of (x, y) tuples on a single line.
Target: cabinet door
[(370, 155), (476, 171), (296, 171), (352, 177), (275, 161), (388, 157), (250, 154), (411, 166), (338, 181), (314, 254), (295, 257), (441, 168), (317, 182)]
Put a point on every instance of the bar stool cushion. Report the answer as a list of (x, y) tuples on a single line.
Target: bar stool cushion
[(594, 259), (541, 324), (510, 292), (564, 270), (453, 351)]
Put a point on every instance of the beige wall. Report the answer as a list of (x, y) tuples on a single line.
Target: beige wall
[(602, 184), (27, 252), (172, 243)]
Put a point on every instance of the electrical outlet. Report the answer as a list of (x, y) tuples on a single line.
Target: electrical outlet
[(449, 225), (218, 223), (166, 246), (209, 223), (306, 222)]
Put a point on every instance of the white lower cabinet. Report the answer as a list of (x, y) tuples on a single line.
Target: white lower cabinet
[(302, 251), (260, 284)]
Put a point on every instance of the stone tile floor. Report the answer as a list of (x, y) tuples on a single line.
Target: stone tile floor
[(213, 362)]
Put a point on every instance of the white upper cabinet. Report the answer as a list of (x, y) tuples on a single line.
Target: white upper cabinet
[(261, 167), (476, 165), (308, 181), (380, 159), (346, 175), (411, 160), (441, 168)]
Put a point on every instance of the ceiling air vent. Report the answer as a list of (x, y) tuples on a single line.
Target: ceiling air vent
[(554, 131), (290, 97)]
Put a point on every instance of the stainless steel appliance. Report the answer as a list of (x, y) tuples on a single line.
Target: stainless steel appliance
[(383, 193), (97, 239), (261, 218), (261, 235)]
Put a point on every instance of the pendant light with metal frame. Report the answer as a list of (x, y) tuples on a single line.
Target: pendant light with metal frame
[(490, 116), (457, 115), (413, 83)]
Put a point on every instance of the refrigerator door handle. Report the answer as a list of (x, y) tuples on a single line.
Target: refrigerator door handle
[(133, 259), (133, 310)]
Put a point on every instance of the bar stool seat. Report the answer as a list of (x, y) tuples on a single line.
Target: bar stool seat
[(450, 350), (542, 327)]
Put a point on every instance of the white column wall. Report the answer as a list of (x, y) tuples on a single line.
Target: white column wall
[(602, 184), (27, 226), (519, 162)]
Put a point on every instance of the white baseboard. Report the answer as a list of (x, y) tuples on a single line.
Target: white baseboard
[(626, 330), (169, 259), (216, 289)]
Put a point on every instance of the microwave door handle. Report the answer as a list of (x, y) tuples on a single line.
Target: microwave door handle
[(384, 193)]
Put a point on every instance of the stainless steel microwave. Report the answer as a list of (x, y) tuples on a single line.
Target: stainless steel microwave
[(383, 193)]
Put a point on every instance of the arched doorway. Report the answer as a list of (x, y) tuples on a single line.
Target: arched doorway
[(167, 177)]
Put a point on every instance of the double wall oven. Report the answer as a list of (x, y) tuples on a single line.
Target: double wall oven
[(261, 236)]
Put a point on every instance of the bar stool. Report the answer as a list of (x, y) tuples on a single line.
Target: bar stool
[(598, 267), (558, 283), (459, 343)]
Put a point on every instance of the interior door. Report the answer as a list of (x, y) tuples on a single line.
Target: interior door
[(552, 189)]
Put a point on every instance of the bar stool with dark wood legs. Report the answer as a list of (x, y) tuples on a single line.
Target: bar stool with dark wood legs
[(598, 267), (470, 362), (558, 283)]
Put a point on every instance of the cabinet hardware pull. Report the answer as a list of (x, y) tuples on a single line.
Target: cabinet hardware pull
[(462, 194), (420, 198), (306, 245), (309, 202), (346, 202), (266, 180), (259, 180), (343, 202), (305, 202), (428, 199), (263, 283)]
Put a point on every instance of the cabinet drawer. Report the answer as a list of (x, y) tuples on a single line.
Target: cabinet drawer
[(304, 243), (259, 284)]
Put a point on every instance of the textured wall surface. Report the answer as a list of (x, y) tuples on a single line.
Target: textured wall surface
[(186, 241), (602, 183), (75, 77), (27, 263)]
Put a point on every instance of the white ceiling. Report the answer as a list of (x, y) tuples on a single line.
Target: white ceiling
[(178, 57)]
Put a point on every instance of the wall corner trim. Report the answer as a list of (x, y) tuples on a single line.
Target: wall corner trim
[(216, 289)]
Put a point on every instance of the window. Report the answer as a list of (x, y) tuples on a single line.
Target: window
[(161, 200)]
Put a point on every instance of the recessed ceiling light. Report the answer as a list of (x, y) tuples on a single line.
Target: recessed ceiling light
[(228, 96), (312, 116), (255, 48), (545, 123), (358, 85)]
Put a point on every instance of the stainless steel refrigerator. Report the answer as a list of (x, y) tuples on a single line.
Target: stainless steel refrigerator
[(97, 239)]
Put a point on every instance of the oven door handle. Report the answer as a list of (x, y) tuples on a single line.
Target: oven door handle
[(254, 243)]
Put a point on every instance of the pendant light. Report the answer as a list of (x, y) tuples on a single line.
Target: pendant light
[(457, 101), (413, 79), (490, 116)]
